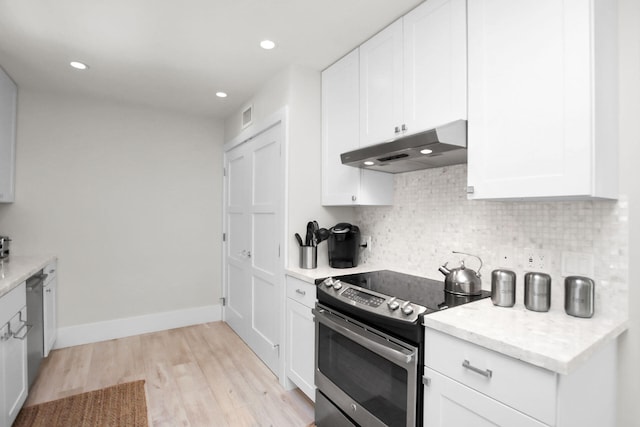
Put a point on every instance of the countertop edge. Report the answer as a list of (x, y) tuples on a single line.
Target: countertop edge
[(310, 275), (20, 269), (560, 365)]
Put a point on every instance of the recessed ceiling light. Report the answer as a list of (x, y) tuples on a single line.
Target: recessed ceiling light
[(221, 94), (267, 44), (78, 65), (426, 151), (369, 163)]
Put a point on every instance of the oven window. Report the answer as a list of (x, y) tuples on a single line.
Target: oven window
[(375, 383)]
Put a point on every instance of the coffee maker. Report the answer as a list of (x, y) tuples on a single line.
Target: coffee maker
[(344, 245)]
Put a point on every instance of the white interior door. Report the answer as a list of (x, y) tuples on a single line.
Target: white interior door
[(254, 223)]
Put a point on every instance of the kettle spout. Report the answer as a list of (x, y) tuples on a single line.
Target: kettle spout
[(443, 269)]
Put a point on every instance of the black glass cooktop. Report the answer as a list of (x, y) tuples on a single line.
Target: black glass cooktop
[(419, 290)]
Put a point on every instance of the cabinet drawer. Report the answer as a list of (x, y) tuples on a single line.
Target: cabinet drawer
[(301, 291), (527, 388), (12, 302)]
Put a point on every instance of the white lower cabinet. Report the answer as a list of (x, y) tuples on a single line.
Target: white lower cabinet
[(300, 360), (469, 385), (448, 403), (13, 354)]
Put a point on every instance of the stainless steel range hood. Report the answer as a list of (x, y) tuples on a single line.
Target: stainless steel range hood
[(443, 146)]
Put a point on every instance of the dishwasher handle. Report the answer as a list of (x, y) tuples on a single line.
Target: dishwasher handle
[(36, 281)]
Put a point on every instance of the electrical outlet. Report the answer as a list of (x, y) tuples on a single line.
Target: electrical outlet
[(529, 259), (535, 260), (577, 264), (366, 243)]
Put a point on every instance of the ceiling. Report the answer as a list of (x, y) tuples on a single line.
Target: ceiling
[(177, 54)]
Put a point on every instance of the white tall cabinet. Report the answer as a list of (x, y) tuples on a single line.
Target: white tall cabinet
[(13, 354), (542, 99), (345, 185), (413, 74), (8, 106)]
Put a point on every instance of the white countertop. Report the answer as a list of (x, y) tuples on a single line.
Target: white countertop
[(18, 269), (310, 275), (552, 340)]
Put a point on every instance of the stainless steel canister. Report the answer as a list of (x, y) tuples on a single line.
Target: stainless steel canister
[(503, 288), (537, 291), (579, 296)]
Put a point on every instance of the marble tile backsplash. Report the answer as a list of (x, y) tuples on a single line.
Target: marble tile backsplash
[(431, 217)]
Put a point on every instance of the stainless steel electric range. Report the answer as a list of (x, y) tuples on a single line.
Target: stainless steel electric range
[(370, 347)]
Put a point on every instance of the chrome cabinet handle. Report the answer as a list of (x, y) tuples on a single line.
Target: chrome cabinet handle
[(301, 292), (404, 128), (48, 290), (24, 336), (397, 129), (485, 373)]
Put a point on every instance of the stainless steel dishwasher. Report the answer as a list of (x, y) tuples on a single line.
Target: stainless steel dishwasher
[(35, 337)]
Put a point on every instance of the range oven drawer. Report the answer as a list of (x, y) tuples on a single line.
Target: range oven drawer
[(327, 415)]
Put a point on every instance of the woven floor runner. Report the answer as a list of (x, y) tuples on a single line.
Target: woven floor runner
[(117, 406)]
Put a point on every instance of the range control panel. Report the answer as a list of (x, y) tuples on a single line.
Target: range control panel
[(372, 301)]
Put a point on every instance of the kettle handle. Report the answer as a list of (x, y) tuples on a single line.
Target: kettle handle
[(475, 256)]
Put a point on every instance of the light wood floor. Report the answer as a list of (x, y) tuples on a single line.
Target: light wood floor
[(202, 375)]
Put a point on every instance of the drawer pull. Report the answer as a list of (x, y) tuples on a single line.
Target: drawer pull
[(301, 292), (26, 332), (485, 373)]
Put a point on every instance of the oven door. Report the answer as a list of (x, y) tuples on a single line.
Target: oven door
[(370, 376)]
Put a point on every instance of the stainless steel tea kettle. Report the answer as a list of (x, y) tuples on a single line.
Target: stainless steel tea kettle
[(462, 280)]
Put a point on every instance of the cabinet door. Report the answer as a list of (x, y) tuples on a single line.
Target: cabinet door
[(14, 368), (448, 403), (435, 64), (49, 314), (8, 99), (300, 347), (381, 86), (530, 99), (340, 130), (346, 185)]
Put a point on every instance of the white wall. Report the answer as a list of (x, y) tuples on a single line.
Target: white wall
[(129, 200), (629, 348), (298, 88)]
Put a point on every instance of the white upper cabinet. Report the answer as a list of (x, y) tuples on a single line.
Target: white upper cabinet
[(542, 99), (8, 102), (413, 74), (381, 86), (345, 185), (435, 64)]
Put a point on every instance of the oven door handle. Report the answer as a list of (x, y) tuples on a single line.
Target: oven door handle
[(396, 356)]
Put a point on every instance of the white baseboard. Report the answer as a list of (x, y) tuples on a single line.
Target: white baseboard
[(120, 328)]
